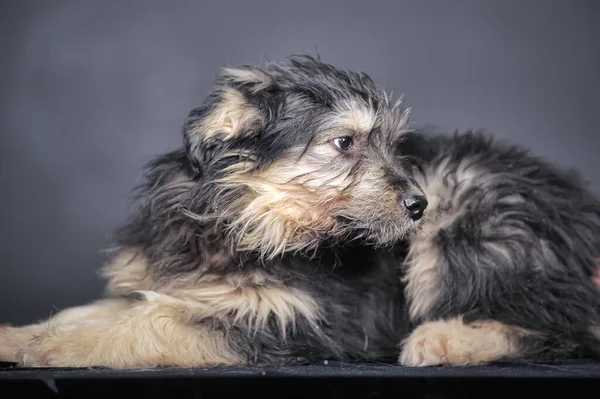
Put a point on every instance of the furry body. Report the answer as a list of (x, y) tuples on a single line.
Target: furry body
[(284, 231), (507, 237)]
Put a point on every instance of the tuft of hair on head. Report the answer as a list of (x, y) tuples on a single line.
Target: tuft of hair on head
[(237, 109)]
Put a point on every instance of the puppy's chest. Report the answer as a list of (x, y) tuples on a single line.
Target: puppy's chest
[(451, 190)]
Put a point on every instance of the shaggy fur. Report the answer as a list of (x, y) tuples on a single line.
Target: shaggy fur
[(303, 220), (506, 237)]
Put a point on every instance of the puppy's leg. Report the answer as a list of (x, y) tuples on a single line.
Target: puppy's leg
[(15, 339), (453, 342), (154, 331), (127, 272)]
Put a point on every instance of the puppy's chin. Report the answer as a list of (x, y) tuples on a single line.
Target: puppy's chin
[(382, 232)]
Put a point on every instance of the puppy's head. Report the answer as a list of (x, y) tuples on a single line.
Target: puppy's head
[(301, 152)]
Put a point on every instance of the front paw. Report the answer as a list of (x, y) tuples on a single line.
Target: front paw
[(13, 340), (452, 342), (426, 346), (8, 348)]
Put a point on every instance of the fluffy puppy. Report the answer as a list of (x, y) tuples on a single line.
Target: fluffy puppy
[(256, 242), (302, 220), (503, 266)]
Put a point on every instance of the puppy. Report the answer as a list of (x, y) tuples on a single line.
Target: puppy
[(268, 238), (503, 267), (303, 220)]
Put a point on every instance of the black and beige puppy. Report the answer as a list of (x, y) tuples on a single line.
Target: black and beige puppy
[(505, 258), (278, 235), (253, 244)]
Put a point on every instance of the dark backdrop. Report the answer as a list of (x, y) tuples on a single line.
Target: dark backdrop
[(90, 90)]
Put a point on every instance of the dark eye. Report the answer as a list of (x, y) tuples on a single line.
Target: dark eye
[(343, 143)]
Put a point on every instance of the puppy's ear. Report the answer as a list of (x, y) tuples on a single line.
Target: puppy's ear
[(231, 117)]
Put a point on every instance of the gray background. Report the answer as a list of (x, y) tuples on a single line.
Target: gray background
[(90, 90)]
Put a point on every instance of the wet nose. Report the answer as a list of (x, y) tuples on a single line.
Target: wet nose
[(415, 206)]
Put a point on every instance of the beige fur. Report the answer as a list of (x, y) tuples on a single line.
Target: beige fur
[(287, 205), (422, 275), (356, 118), (452, 342), (256, 79), (154, 327), (250, 298), (127, 273), (424, 258), (294, 202), (230, 117), (16, 339), (149, 333)]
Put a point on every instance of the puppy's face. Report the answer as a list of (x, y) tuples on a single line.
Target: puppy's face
[(300, 153)]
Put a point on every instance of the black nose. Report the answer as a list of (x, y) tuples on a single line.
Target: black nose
[(415, 206)]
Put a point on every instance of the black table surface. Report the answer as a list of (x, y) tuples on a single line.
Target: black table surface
[(327, 380), (580, 369)]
